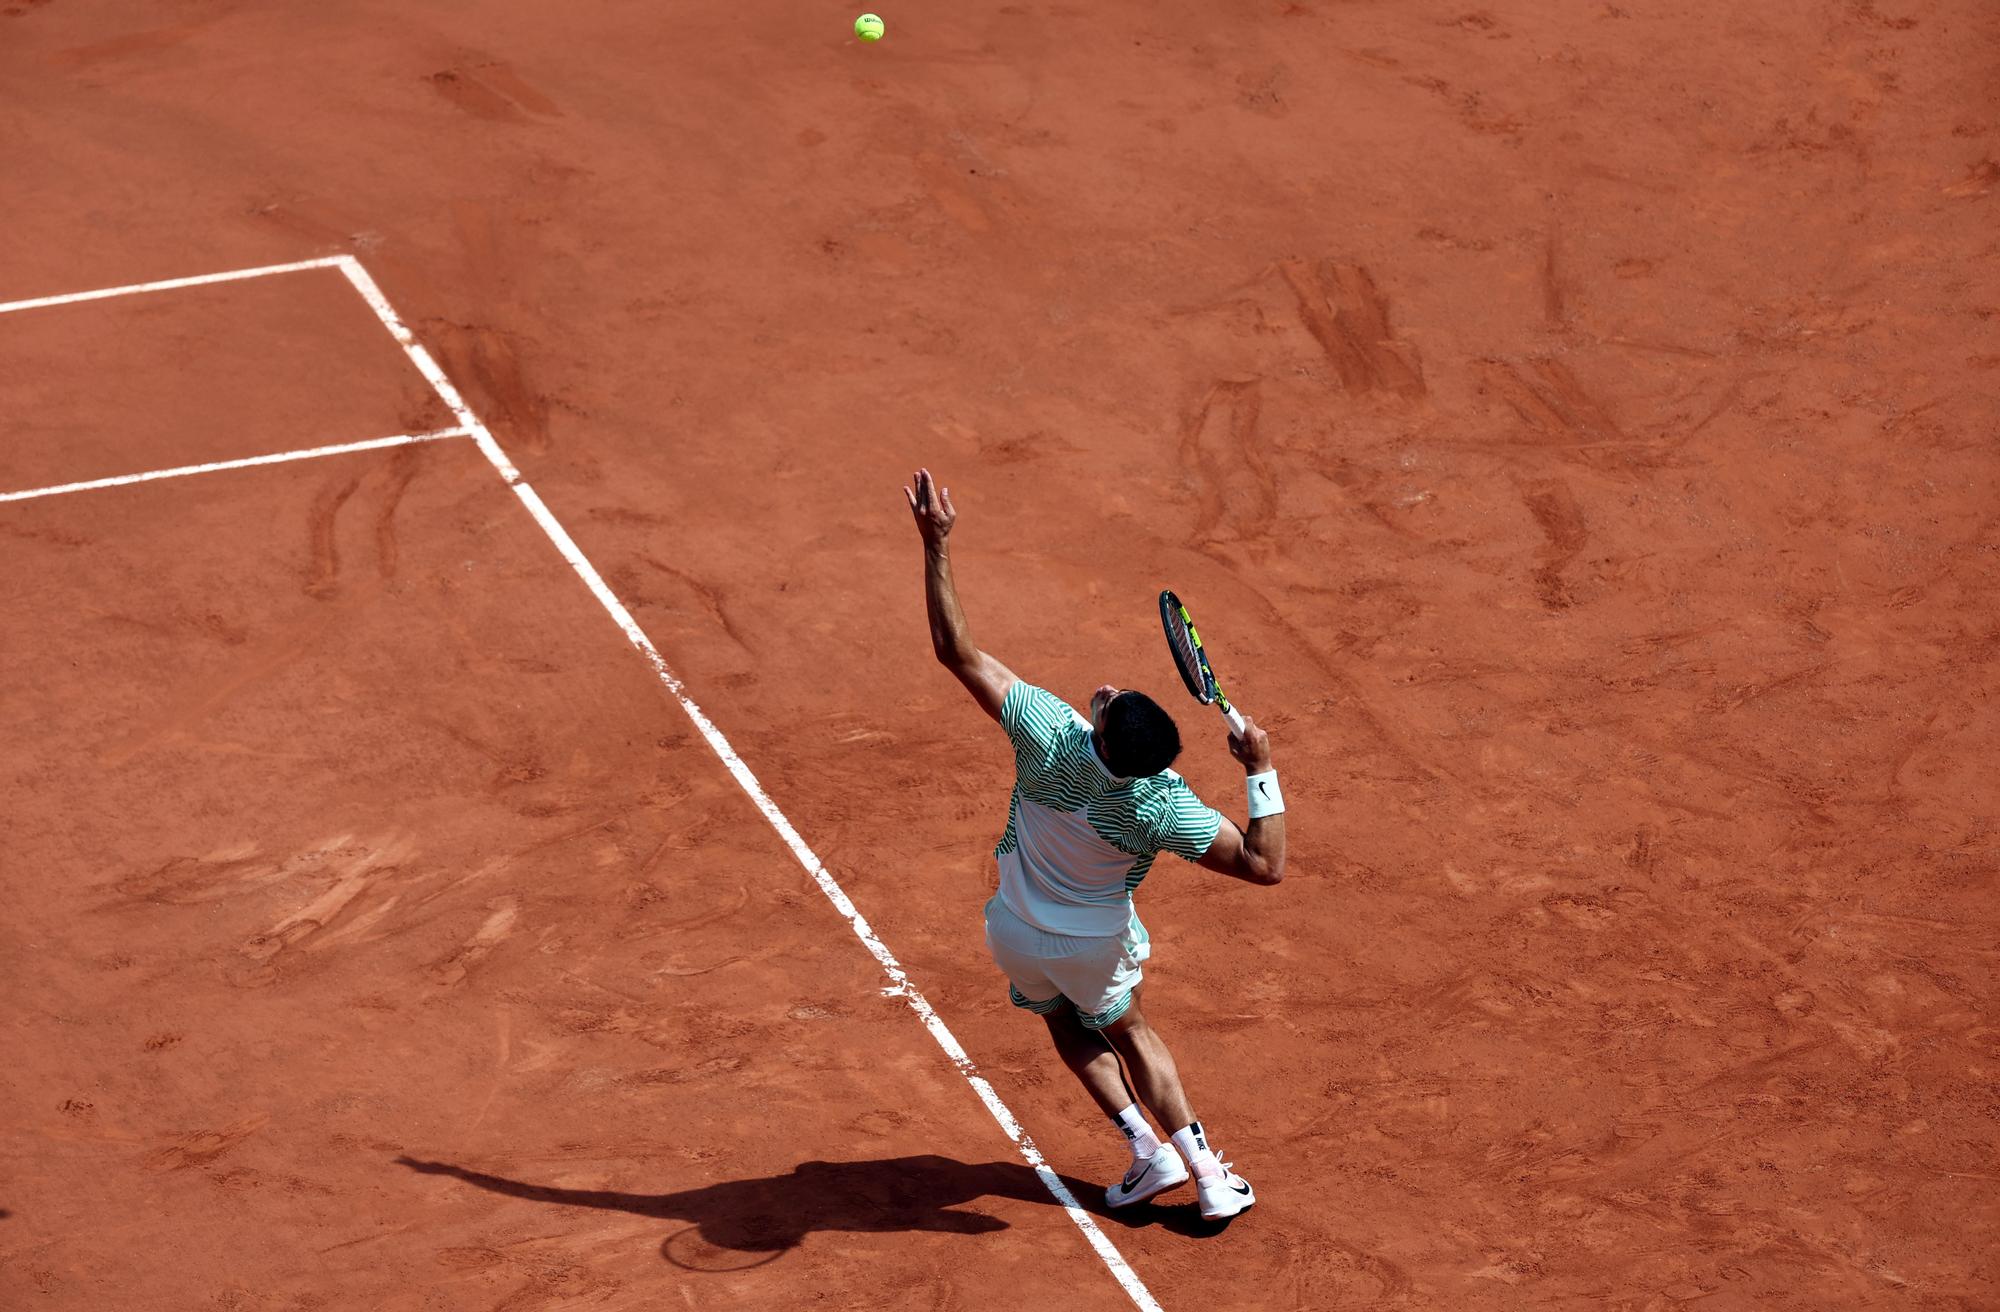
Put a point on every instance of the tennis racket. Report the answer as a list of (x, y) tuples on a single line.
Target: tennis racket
[(1192, 661)]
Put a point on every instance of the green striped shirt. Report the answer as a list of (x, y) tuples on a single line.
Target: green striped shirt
[(1079, 838)]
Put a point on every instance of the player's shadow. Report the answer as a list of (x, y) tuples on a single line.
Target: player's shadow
[(765, 1217)]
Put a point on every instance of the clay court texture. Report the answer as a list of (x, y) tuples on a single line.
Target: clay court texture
[(535, 862)]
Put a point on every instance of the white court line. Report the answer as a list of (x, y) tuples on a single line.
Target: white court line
[(469, 426), (899, 981), (133, 289), (278, 458)]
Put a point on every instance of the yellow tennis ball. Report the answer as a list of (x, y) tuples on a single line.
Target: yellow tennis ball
[(868, 27)]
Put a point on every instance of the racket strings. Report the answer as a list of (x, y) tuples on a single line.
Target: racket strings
[(1188, 657), (1185, 648)]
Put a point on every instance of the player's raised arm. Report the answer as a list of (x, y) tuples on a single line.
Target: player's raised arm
[(1258, 853), (985, 678)]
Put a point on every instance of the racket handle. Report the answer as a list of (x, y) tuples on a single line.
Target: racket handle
[(1235, 719)]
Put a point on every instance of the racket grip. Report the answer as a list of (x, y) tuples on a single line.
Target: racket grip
[(1235, 718)]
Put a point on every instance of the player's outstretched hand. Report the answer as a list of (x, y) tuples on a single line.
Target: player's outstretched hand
[(1253, 748), (932, 508)]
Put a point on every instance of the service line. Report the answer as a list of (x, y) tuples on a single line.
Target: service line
[(899, 985), (276, 458), (173, 284)]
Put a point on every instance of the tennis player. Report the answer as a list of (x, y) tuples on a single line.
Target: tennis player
[(1093, 804)]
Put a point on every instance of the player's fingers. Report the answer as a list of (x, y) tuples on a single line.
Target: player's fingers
[(947, 503)]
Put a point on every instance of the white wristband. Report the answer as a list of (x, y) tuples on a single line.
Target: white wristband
[(1265, 799)]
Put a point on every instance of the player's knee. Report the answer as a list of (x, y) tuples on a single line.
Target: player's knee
[(1128, 1029), (1063, 1025)]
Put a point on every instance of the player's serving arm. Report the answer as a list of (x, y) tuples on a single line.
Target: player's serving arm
[(1257, 855), (985, 678), (1094, 804)]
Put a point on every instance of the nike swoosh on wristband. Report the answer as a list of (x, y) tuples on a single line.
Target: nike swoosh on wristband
[(1264, 787)]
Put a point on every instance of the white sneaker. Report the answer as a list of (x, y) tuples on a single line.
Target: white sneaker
[(1224, 1194), (1162, 1171)]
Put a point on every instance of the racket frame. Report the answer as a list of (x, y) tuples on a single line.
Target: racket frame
[(1201, 682)]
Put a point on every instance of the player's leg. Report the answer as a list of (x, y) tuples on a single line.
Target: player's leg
[(1223, 1193), (1156, 1167), (1154, 1073), (1105, 987), (1100, 980), (1090, 1059)]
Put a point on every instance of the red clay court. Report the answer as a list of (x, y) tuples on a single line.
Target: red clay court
[(483, 827)]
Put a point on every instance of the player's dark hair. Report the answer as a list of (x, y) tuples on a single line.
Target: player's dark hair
[(1139, 737)]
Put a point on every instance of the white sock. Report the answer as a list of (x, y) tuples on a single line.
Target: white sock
[(1194, 1147), (1139, 1135)]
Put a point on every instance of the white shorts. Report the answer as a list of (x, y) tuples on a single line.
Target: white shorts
[(1095, 975)]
